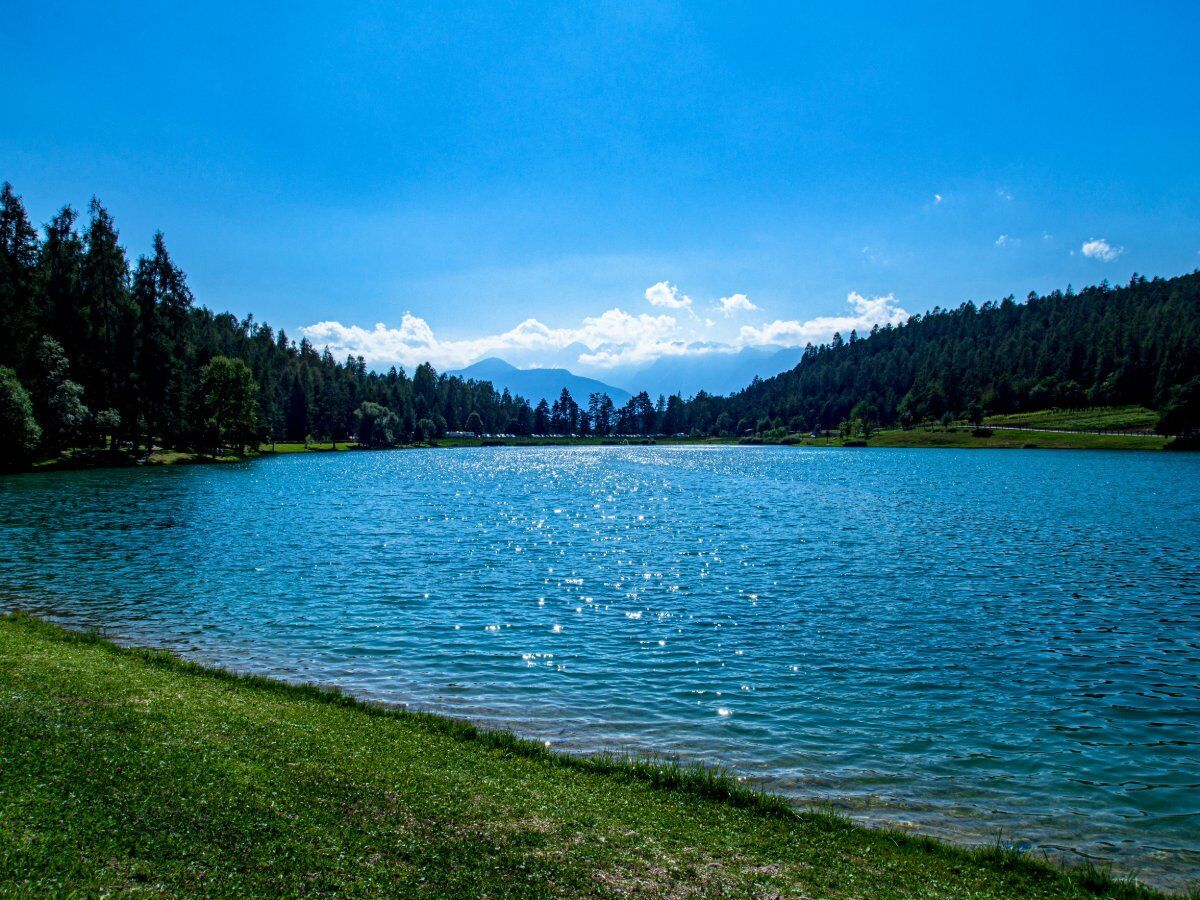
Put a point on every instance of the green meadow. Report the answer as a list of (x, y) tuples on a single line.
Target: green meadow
[(963, 437), (1101, 418)]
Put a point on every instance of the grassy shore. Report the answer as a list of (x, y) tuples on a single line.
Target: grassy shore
[(1057, 436), (93, 458), (960, 437), (998, 440), (955, 436), (1101, 418), (131, 771)]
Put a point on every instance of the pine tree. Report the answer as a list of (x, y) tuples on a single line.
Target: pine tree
[(163, 302), (106, 360), (18, 266), (60, 285)]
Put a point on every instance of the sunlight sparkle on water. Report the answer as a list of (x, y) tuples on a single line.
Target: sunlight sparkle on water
[(903, 631)]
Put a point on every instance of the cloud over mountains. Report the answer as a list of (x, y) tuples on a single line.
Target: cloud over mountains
[(613, 339)]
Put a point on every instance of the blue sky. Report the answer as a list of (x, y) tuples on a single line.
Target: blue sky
[(480, 166)]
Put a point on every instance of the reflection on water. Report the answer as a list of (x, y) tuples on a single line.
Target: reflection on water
[(973, 642)]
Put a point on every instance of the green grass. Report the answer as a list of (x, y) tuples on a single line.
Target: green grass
[(1109, 418), (185, 457), (94, 458), (917, 437), (578, 441), (282, 447), (963, 438), (131, 771)]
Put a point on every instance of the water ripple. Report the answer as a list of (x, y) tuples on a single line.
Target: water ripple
[(965, 642)]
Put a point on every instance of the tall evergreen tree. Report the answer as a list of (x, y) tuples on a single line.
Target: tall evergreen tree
[(162, 301), (60, 285), (541, 417), (111, 320), (18, 266)]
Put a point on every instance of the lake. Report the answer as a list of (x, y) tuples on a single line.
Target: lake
[(973, 643)]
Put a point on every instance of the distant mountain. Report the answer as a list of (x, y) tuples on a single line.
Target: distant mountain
[(717, 373), (537, 384)]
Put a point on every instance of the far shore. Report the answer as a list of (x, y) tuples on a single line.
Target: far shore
[(997, 438)]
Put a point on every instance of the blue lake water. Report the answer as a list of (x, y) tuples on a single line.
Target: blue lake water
[(975, 643)]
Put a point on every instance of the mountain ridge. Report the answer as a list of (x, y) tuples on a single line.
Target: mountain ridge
[(537, 384)]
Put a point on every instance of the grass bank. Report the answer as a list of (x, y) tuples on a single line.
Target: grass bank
[(95, 458), (1106, 418), (961, 437), (998, 439), (132, 771), (1101, 418)]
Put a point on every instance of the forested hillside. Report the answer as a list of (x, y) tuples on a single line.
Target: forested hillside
[(1105, 346), (96, 350)]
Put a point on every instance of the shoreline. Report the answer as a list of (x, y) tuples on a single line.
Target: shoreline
[(710, 785), (1000, 438)]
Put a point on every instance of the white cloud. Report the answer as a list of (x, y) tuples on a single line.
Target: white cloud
[(730, 306), (613, 337), (1002, 240), (1099, 248), (937, 198), (1004, 195), (667, 295), (864, 312), (610, 340)]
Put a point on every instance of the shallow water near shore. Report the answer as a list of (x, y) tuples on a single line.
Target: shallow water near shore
[(975, 643)]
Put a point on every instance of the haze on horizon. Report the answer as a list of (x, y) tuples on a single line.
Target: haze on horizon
[(604, 189)]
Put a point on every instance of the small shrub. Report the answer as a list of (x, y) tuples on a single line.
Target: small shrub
[(981, 432), (854, 443)]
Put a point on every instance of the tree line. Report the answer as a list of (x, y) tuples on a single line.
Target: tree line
[(95, 350), (99, 351)]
